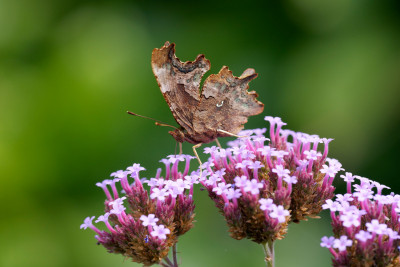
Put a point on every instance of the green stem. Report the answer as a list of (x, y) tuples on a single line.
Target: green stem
[(268, 248), (168, 261), (174, 255)]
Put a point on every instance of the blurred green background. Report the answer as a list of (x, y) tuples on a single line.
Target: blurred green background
[(70, 69)]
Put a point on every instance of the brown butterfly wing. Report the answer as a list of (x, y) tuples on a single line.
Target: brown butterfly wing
[(225, 104), (179, 82)]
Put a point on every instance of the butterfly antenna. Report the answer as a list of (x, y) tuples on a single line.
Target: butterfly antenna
[(159, 123)]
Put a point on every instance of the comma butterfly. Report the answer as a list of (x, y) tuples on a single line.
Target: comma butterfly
[(219, 109)]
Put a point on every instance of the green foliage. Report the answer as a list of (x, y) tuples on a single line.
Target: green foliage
[(70, 69)]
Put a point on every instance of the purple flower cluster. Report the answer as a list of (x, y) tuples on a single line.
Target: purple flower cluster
[(147, 228), (365, 225), (260, 187)]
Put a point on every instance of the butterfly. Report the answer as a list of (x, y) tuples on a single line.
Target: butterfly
[(219, 109)]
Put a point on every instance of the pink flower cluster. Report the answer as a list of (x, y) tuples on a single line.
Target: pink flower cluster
[(147, 228), (260, 187), (365, 225)]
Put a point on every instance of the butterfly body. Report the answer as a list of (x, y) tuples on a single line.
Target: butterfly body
[(223, 103)]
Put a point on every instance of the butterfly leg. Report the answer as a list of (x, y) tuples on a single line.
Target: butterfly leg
[(195, 153), (198, 158), (180, 147), (231, 134), (218, 144)]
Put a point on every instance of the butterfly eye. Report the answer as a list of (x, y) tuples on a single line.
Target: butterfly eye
[(220, 104)]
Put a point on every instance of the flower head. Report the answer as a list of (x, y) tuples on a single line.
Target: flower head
[(366, 226), (273, 183), (144, 224)]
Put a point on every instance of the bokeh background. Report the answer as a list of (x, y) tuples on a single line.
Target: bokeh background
[(70, 69)]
